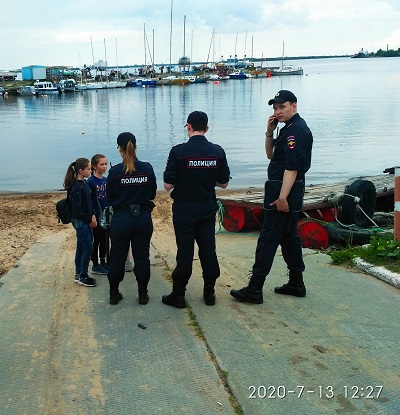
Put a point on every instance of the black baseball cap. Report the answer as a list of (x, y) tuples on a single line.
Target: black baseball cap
[(283, 96), (124, 138), (197, 117)]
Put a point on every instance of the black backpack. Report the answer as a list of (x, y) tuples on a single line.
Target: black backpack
[(64, 210)]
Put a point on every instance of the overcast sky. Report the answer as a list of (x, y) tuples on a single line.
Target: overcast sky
[(61, 32)]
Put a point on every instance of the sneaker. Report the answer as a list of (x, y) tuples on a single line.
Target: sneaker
[(104, 264), (128, 266), (87, 281), (77, 278), (99, 269)]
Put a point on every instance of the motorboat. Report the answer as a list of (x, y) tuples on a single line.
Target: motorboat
[(68, 85), (239, 74), (144, 82), (27, 91), (47, 88)]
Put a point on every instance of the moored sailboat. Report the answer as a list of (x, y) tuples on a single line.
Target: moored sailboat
[(286, 69)]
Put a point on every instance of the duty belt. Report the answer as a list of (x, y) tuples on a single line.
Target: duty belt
[(143, 207)]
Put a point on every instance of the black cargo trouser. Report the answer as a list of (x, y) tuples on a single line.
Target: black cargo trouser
[(195, 222), (279, 228), (126, 231)]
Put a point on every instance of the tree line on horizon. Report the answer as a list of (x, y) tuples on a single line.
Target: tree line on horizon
[(389, 53)]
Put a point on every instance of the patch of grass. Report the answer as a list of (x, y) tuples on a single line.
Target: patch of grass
[(193, 323), (382, 251)]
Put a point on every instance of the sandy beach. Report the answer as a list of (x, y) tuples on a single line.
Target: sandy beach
[(27, 217)]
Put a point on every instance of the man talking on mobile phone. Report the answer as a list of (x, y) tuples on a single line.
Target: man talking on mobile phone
[(290, 155)]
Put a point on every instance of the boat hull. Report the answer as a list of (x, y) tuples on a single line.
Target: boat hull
[(284, 72)]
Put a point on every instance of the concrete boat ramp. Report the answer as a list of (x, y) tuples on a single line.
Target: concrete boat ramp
[(65, 350)]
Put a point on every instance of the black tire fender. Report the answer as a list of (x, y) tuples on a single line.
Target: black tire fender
[(347, 236), (360, 193)]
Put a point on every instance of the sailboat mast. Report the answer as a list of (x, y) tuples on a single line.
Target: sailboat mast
[(213, 38), (252, 48), (105, 59), (235, 49), (191, 50), (144, 42), (184, 43), (116, 56), (245, 44), (91, 44), (170, 38), (153, 58)]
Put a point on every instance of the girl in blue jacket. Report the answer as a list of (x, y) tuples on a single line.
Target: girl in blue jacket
[(83, 217)]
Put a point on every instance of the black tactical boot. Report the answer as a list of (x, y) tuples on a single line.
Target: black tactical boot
[(294, 287), (143, 294), (250, 294), (115, 297), (209, 294), (176, 298)]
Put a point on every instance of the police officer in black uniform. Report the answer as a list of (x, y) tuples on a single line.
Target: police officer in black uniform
[(290, 156), (193, 170), (131, 187)]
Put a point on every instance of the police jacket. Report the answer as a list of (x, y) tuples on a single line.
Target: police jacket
[(138, 187), (194, 168), (292, 149), (81, 202)]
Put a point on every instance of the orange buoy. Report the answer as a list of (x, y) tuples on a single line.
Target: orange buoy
[(312, 234)]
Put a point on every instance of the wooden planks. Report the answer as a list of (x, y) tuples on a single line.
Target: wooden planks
[(315, 197)]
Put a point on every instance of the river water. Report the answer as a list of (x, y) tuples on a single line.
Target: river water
[(351, 105)]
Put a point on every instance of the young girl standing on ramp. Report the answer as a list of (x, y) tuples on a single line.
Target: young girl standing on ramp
[(83, 217), (97, 184)]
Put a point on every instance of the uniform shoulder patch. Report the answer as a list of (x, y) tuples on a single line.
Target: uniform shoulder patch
[(291, 142)]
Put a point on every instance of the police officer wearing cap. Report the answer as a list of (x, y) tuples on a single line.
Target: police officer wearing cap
[(193, 170), (290, 155), (131, 187)]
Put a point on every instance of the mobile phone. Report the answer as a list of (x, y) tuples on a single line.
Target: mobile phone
[(276, 121)]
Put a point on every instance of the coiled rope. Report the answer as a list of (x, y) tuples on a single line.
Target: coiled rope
[(220, 216)]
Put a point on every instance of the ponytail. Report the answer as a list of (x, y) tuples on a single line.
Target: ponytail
[(129, 157), (72, 171)]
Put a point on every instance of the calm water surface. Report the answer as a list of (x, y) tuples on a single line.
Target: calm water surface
[(351, 105)]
